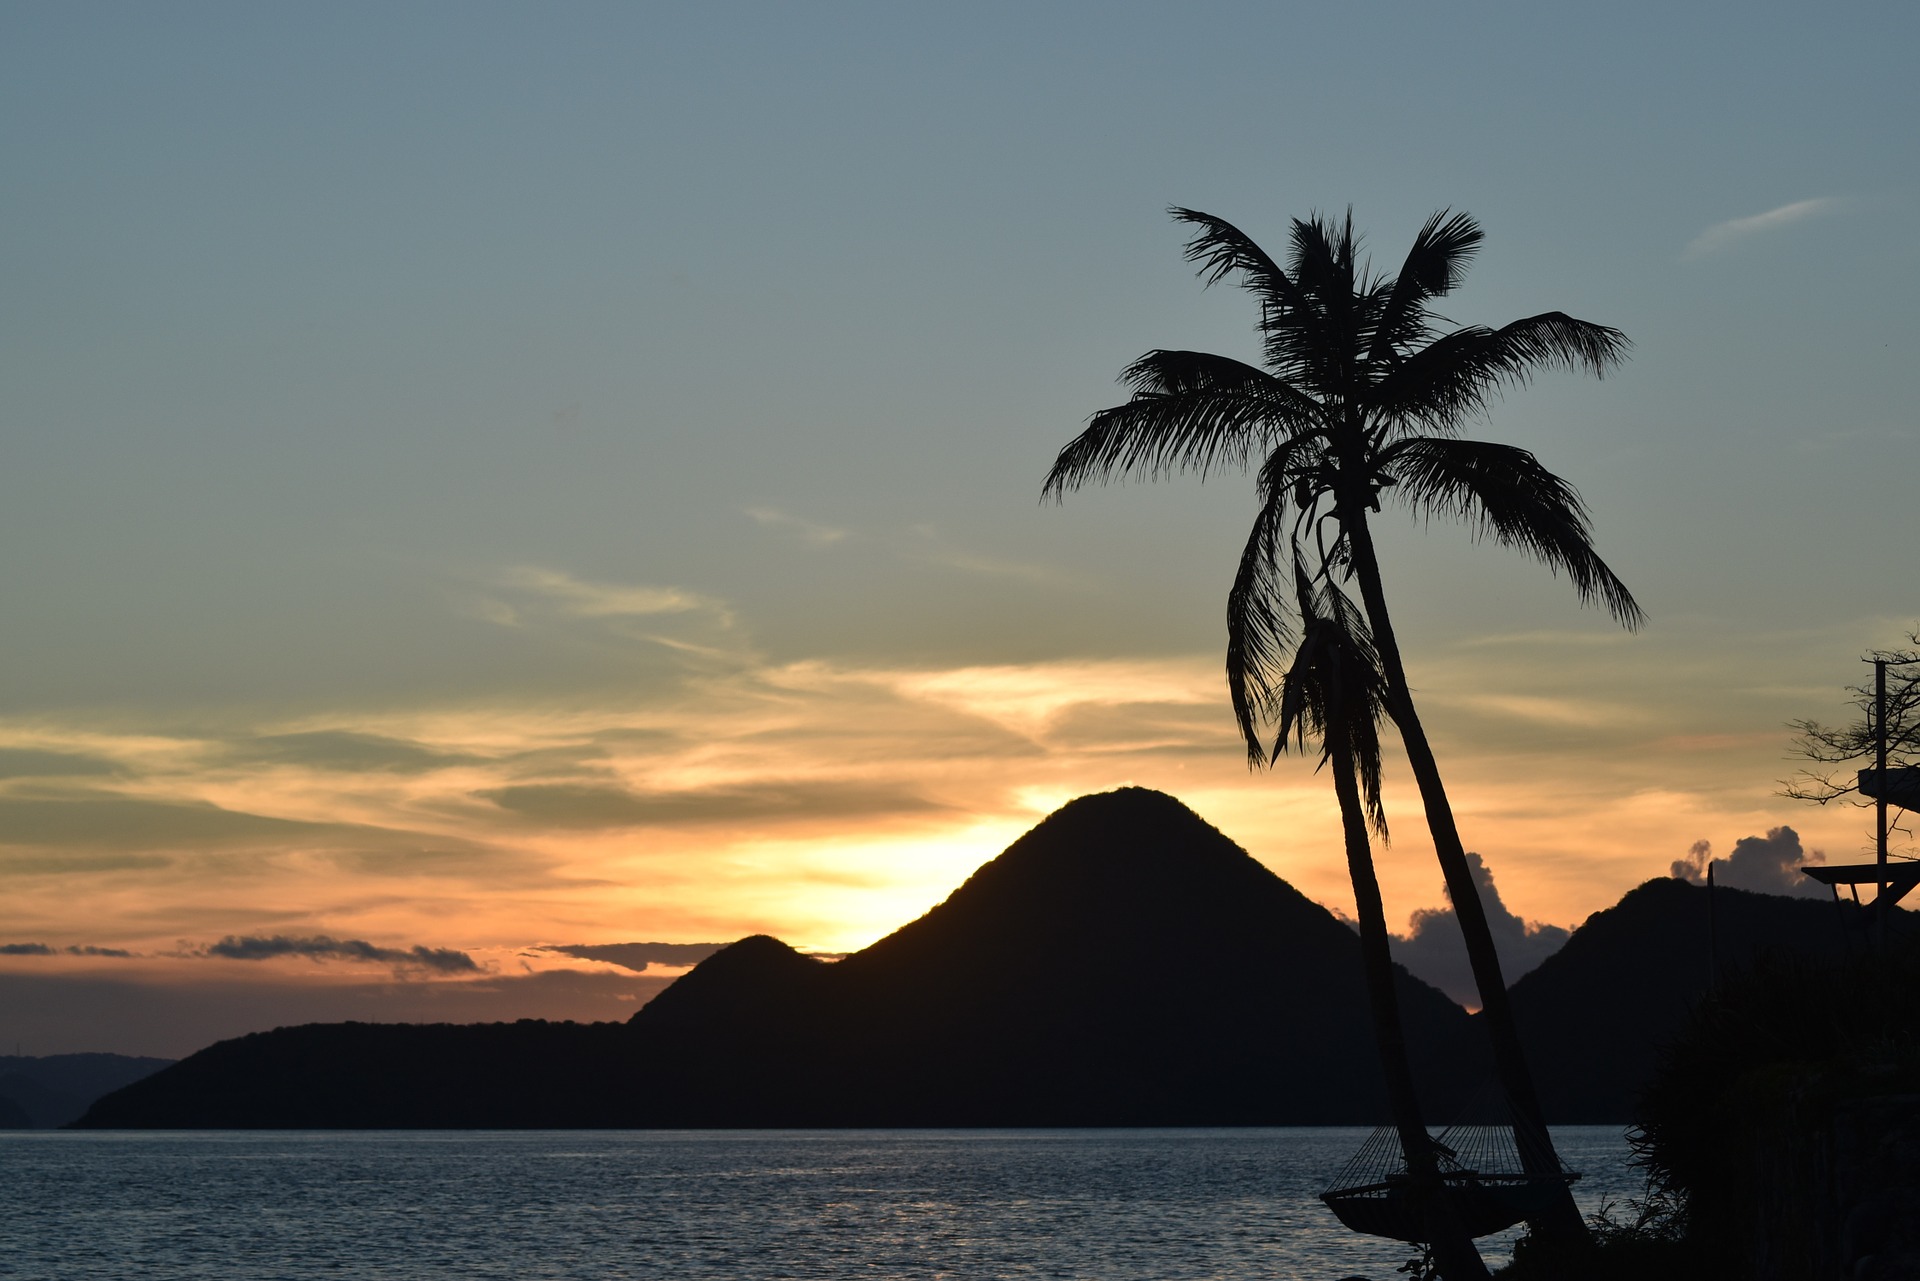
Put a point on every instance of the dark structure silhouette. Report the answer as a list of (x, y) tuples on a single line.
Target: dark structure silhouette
[(1363, 396), (1887, 736)]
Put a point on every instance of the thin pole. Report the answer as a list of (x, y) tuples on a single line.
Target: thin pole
[(1713, 938), (1880, 802)]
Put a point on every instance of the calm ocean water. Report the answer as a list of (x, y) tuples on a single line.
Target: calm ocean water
[(1116, 1205)]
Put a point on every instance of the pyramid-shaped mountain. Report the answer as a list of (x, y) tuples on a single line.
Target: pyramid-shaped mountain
[(1123, 963)]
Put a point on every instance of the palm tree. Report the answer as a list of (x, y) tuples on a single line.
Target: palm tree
[(1365, 394), (1332, 691)]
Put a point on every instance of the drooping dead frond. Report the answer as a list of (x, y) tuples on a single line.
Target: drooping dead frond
[(1333, 690), (1260, 631)]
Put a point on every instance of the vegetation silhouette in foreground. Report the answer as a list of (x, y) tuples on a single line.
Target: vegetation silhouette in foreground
[(1779, 1133), (1363, 394)]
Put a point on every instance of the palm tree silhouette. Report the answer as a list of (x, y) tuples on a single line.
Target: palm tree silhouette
[(1332, 692), (1365, 394)]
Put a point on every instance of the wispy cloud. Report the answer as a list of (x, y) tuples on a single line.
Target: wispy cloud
[(1578, 713), (583, 599), (809, 532), (563, 806), (1543, 639), (822, 801), (1722, 235), (935, 550)]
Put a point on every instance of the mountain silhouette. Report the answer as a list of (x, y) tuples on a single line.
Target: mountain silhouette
[(1596, 1015), (1123, 963), (49, 1091), (526, 1075)]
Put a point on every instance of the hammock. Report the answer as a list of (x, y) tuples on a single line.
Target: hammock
[(1487, 1185)]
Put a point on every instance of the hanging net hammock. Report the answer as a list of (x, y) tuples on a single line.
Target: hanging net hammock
[(1488, 1188)]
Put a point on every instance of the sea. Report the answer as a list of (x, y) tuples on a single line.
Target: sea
[(1112, 1205)]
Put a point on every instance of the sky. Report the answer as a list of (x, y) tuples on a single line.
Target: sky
[(482, 479)]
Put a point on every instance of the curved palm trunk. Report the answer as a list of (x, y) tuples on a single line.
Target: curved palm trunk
[(1453, 1249), (1529, 1125)]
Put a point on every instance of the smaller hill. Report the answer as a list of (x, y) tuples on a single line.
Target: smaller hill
[(530, 1074), (1596, 1014), (50, 1091)]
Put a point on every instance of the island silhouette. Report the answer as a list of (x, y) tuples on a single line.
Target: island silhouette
[(1122, 963)]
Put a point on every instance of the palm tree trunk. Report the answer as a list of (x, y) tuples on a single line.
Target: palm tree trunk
[(1453, 1249), (1563, 1219)]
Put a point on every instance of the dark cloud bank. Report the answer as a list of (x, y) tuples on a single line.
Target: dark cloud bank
[(321, 947), (41, 949), (1764, 864), (1433, 950)]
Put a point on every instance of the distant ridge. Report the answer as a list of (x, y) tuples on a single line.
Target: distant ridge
[(1123, 963), (48, 1091), (1596, 1014)]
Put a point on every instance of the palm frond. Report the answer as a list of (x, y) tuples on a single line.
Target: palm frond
[(1260, 632), (1324, 266), (1190, 412), (1434, 265), (1222, 249), (1324, 259), (1505, 493), (1455, 375)]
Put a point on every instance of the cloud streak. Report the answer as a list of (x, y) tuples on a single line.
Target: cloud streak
[(1724, 235), (322, 947), (808, 532), (822, 801), (583, 599), (575, 806), (638, 956), (78, 949)]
